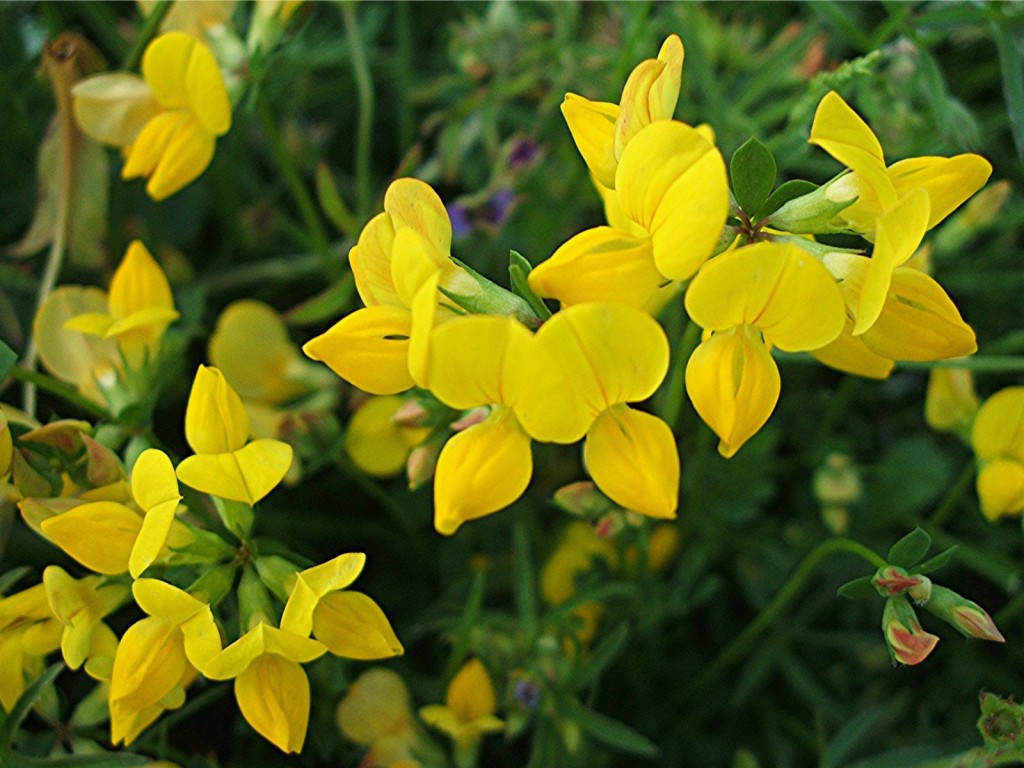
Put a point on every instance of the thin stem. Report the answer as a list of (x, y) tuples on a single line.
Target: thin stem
[(364, 130), (403, 39), (771, 612), (54, 387), (149, 29), (307, 209), (952, 497), (672, 405)]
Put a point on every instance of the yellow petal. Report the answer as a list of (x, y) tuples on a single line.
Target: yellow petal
[(949, 181), (150, 661), (473, 358), (898, 233), (158, 598), (185, 155), (471, 693), (100, 535), (998, 428), (650, 93), (368, 348), (592, 125), (950, 403), (843, 134), (113, 108), (1001, 488), (153, 481), (599, 264), (353, 626), (633, 458), (245, 475), (583, 360), (376, 705), (273, 696), (146, 152), (215, 419), (481, 470), (919, 322), (156, 526), (848, 353), (183, 74), (734, 385), (414, 204), (207, 95), (143, 327), (412, 263), (373, 441), (780, 289), (138, 283), (336, 573), (370, 260), (91, 324)]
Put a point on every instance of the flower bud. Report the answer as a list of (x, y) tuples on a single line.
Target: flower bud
[(1001, 721), (470, 418), (474, 292), (583, 499), (921, 592), (411, 413), (813, 213), (892, 580), (969, 619), (422, 462), (908, 642)]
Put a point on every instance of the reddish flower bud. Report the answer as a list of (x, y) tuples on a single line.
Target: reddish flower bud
[(969, 619), (908, 642), (892, 580)]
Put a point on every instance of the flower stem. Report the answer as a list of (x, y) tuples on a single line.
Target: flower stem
[(771, 612), (307, 209), (364, 134), (149, 29), (952, 497), (44, 382)]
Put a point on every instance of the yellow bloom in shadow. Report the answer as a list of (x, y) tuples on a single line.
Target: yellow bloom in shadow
[(468, 712), (29, 632), (998, 440), (376, 713)]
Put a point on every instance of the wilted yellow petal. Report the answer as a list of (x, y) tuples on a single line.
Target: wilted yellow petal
[(998, 428), (100, 535), (633, 458), (650, 93), (273, 695), (949, 181), (1001, 488), (373, 441), (113, 108), (843, 134), (370, 260), (245, 475), (592, 125), (481, 470), (779, 288), (471, 693), (734, 385), (215, 419), (353, 626), (414, 204), (599, 264), (368, 348)]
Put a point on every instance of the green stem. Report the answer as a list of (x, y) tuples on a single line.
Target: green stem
[(64, 391), (149, 29), (321, 244), (952, 497), (771, 612), (672, 405), (364, 130)]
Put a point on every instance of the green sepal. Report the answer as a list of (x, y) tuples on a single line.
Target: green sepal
[(789, 190), (810, 214), (214, 585), (858, 589), (752, 169), (237, 516), (519, 272), (910, 549), (276, 572), (254, 602), (489, 298)]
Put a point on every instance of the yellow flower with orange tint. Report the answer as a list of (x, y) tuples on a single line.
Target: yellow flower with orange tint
[(167, 121), (468, 712)]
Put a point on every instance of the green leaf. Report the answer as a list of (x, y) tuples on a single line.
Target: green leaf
[(910, 549), (12, 577), (8, 357), (610, 732), (934, 563), (752, 169), (331, 304), (522, 580), (604, 654), (332, 203), (858, 589), (789, 190), (470, 618), (1010, 52), (24, 704), (519, 271)]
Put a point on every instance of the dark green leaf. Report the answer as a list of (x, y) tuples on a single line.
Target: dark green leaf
[(610, 732), (519, 271), (523, 581), (24, 704), (752, 169), (910, 549), (934, 563), (8, 357), (1010, 53), (858, 589), (604, 654), (785, 192), (470, 618), (332, 203)]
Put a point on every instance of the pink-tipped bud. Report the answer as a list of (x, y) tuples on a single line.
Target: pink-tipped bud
[(420, 466), (583, 499), (609, 525), (470, 417), (892, 580), (102, 465), (968, 618), (908, 642), (920, 593), (410, 414)]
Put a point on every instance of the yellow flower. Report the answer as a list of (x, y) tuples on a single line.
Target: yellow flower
[(195, 19), (29, 632), (602, 130), (375, 443), (225, 464), (270, 685), (376, 713), (998, 440), (671, 190), (749, 300), (80, 605), (158, 656), (841, 132), (468, 712), (397, 252), (950, 402), (168, 121), (349, 623)]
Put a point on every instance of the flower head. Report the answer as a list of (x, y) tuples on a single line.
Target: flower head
[(998, 440), (468, 712)]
